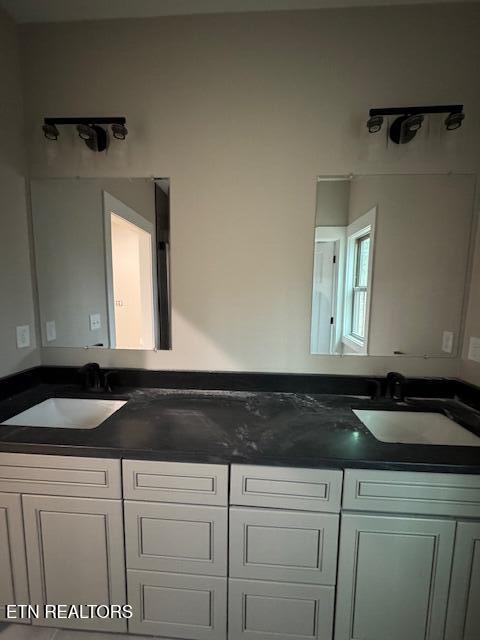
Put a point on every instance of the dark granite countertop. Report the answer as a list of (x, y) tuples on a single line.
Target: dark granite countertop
[(273, 428)]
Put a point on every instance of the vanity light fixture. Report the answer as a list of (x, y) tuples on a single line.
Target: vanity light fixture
[(91, 130), (410, 119)]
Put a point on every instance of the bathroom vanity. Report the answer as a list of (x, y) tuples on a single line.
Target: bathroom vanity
[(196, 547), (242, 514)]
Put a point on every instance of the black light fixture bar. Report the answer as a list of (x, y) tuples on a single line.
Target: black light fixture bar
[(92, 130), (109, 120), (399, 111)]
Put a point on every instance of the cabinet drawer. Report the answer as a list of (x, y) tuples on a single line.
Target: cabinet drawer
[(411, 492), (266, 610), (282, 546), (60, 475), (176, 537), (175, 482), (286, 488), (176, 606)]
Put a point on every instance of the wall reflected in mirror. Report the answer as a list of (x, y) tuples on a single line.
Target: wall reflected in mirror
[(102, 261), (391, 259)]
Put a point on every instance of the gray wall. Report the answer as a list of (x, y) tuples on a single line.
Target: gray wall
[(470, 370), (16, 300), (332, 203), (243, 111)]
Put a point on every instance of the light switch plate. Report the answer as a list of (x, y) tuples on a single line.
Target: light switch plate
[(447, 341), (51, 330), (95, 321), (474, 349), (23, 336)]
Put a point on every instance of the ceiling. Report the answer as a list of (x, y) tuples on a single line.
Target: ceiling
[(67, 10)]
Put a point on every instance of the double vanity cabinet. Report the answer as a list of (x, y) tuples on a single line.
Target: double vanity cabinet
[(206, 552)]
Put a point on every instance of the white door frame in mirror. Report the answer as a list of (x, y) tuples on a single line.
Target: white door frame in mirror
[(337, 235), (112, 205)]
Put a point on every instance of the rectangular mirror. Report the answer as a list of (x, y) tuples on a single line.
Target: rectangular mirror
[(102, 261), (391, 254)]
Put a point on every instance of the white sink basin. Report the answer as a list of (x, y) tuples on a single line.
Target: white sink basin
[(415, 427), (67, 413)]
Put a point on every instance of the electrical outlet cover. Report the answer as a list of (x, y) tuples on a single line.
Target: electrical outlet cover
[(23, 336), (474, 349), (95, 321), (51, 330), (447, 341)]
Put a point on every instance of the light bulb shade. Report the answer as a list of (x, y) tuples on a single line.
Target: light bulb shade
[(413, 123), (96, 138), (454, 121), (374, 124), (119, 131), (50, 131), (85, 131), (404, 128)]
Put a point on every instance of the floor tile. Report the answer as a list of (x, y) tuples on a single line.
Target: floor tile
[(25, 632)]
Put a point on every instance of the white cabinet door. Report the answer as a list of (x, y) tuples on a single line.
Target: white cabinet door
[(393, 577), (13, 566), (75, 555), (285, 546), (281, 611), (179, 538), (177, 606), (463, 621)]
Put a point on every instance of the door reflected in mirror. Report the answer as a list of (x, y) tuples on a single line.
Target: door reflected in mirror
[(102, 261), (130, 246), (391, 254)]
